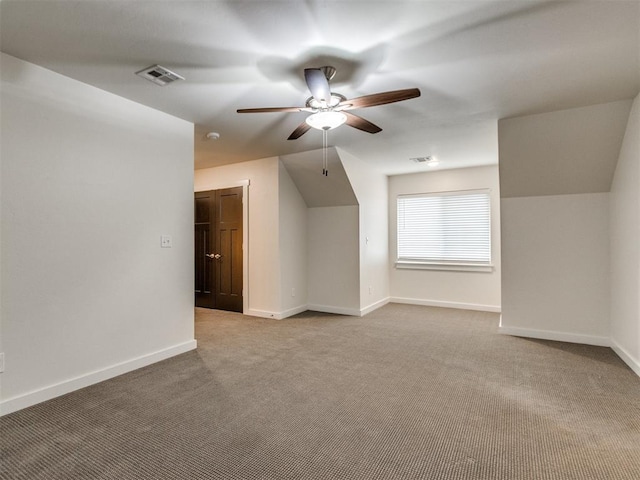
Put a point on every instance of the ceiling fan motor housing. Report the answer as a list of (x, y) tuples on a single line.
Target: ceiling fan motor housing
[(329, 72), (335, 100)]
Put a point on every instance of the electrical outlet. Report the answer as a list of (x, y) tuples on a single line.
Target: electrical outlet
[(293, 292), (1, 362), (370, 290), (166, 241)]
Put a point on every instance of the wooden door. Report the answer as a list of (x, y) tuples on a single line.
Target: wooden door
[(228, 237), (204, 246), (218, 249)]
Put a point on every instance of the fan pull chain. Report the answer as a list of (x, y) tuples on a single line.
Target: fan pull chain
[(325, 165)]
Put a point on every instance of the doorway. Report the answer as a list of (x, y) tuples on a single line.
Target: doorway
[(218, 249)]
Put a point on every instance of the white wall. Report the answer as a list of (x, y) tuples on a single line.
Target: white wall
[(371, 189), (469, 290), (555, 267), (293, 246), (556, 170), (625, 245), (90, 181), (333, 260), (262, 292)]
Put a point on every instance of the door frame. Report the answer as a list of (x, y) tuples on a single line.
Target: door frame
[(245, 233)]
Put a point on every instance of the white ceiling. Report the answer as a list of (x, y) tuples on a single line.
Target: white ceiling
[(474, 61)]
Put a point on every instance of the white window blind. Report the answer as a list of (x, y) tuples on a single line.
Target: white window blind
[(445, 228)]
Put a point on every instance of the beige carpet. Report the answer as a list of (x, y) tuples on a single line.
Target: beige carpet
[(406, 392)]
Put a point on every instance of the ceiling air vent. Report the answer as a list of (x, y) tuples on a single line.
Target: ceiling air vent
[(429, 161), (420, 159), (159, 75)]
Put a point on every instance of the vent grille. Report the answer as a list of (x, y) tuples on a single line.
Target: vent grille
[(159, 75), (421, 159)]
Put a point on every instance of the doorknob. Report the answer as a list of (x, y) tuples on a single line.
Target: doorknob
[(217, 256), (213, 255)]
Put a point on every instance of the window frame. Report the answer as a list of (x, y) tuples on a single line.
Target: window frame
[(440, 264)]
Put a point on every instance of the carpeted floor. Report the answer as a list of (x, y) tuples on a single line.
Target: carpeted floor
[(406, 392)]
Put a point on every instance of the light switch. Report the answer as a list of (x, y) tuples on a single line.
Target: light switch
[(165, 241)]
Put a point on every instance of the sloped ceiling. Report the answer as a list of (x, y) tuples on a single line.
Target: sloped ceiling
[(317, 190), (474, 61), (564, 152)]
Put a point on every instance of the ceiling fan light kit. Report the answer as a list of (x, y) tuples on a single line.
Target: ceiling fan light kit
[(327, 120)]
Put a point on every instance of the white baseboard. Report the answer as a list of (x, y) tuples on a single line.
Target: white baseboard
[(261, 313), (439, 303), (275, 315), (354, 312), (318, 308), (634, 364), (291, 312), (557, 336), (52, 391), (374, 306)]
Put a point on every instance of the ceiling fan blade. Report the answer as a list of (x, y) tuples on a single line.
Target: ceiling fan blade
[(274, 109), (318, 84), (299, 131), (361, 124), (379, 99)]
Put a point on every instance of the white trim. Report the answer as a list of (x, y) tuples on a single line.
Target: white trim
[(556, 336), (261, 313), (67, 386), (374, 306), (318, 308), (238, 183), (444, 193), (440, 303), (245, 244), (276, 315), (453, 267), (291, 312), (626, 357), (354, 312)]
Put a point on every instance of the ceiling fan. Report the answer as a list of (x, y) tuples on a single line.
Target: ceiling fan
[(330, 110)]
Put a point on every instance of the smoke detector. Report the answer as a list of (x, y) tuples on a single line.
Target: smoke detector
[(159, 75)]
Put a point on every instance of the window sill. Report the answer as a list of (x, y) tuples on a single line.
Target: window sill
[(455, 267)]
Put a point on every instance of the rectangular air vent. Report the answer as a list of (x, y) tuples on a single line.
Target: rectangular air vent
[(420, 159), (159, 75)]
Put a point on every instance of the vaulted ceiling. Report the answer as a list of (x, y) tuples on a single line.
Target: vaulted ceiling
[(474, 62)]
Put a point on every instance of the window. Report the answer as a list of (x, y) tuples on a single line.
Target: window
[(449, 230)]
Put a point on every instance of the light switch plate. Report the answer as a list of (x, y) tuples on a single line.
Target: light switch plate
[(165, 241)]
